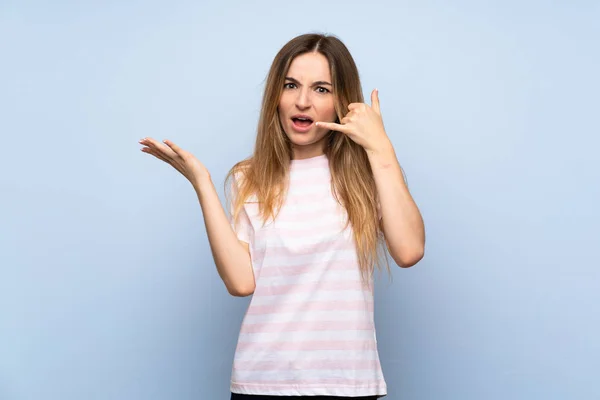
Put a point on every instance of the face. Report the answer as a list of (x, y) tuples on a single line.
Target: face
[(307, 97)]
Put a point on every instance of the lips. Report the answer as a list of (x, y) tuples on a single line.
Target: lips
[(302, 119), (301, 122)]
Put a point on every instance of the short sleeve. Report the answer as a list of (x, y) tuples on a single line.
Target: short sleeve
[(243, 226)]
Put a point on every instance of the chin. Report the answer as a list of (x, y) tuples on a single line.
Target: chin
[(303, 139)]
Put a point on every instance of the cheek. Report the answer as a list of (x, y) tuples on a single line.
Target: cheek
[(284, 102), (281, 110), (328, 111)]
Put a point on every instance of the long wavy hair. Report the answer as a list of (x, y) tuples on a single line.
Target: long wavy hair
[(264, 175)]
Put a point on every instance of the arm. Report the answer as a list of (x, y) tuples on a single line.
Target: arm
[(232, 256), (402, 222)]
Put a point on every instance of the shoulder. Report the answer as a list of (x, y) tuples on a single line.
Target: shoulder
[(238, 172)]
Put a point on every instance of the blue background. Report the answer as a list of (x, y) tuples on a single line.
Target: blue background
[(107, 286)]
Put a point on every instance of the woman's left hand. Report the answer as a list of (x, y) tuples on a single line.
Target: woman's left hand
[(363, 124)]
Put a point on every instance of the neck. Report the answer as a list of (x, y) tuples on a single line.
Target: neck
[(304, 152)]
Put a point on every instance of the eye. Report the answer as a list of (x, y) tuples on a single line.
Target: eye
[(321, 89), (289, 85)]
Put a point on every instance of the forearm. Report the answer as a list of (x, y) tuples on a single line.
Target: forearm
[(231, 257), (402, 221)]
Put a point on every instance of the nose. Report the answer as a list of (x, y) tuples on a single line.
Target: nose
[(303, 100)]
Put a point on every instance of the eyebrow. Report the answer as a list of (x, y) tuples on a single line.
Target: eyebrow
[(287, 78)]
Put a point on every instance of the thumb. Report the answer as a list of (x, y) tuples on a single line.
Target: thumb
[(375, 101)]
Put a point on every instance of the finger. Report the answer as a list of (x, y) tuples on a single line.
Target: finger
[(155, 154), (166, 151), (375, 101), (162, 158), (345, 120), (332, 126), (168, 161), (178, 150), (354, 106)]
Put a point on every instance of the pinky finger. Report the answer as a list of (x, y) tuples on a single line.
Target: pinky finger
[(332, 126)]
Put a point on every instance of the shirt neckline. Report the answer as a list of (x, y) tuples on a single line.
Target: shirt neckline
[(310, 162)]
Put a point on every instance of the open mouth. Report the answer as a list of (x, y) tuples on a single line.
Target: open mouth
[(302, 122)]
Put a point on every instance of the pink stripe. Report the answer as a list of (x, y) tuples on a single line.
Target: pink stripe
[(285, 365), (314, 232), (292, 289), (309, 345), (328, 305), (291, 213), (335, 265), (313, 326)]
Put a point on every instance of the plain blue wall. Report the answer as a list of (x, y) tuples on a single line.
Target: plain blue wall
[(107, 286)]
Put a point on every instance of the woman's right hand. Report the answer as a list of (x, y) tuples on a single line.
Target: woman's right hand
[(183, 161)]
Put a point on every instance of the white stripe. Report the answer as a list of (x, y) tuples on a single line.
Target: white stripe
[(302, 192), (304, 375), (321, 257), (318, 171), (316, 296)]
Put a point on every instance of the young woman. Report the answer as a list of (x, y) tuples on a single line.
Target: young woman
[(311, 210)]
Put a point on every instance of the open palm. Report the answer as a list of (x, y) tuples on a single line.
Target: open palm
[(183, 161)]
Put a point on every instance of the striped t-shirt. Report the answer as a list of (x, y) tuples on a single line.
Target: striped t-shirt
[(309, 329)]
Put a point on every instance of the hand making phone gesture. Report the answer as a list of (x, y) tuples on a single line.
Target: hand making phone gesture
[(363, 124)]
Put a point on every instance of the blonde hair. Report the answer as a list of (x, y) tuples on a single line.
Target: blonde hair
[(264, 174)]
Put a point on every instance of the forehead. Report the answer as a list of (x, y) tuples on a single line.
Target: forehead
[(310, 67)]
